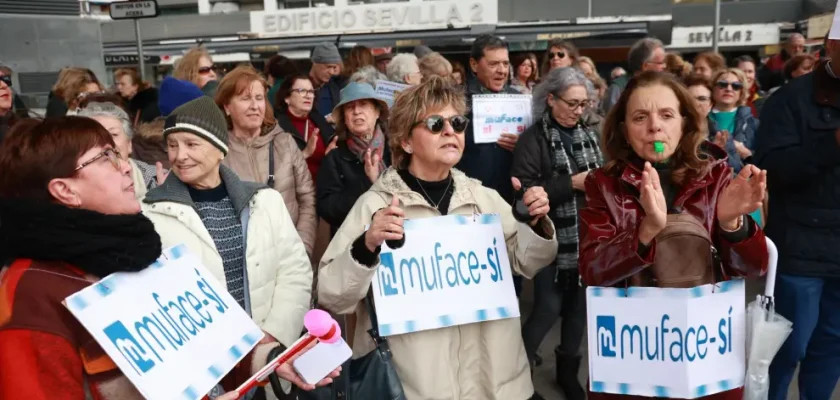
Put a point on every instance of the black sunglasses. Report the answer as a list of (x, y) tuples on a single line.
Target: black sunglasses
[(7, 80), (560, 54), (437, 123), (206, 70), (725, 84)]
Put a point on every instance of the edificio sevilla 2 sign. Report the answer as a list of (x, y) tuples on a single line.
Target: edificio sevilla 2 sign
[(375, 17), (746, 35)]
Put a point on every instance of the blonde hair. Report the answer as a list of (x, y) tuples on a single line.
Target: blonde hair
[(434, 64), (237, 82), (70, 84), (745, 91), (413, 104), (186, 69)]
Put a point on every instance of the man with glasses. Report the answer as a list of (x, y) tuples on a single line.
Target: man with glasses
[(647, 54)]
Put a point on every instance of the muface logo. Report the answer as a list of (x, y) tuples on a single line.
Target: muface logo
[(129, 347), (605, 326)]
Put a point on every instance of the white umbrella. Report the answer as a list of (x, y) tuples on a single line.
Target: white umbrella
[(766, 332)]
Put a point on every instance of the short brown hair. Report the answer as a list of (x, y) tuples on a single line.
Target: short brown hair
[(745, 91), (285, 90), (412, 104), (715, 60), (795, 62), (434, 64), (237, 82), (70, 83), (571, 51), (359, 57), (519, 59), (687, 160), (459, 68), (677, 66), (36, 152), (697, 80), (186, 69), (134, 75)]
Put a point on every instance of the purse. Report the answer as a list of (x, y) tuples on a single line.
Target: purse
[(370, 377)]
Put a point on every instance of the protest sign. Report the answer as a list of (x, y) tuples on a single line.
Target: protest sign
[(387, 90), (172, 329), (672, 343), (495, 114), (452, 270)]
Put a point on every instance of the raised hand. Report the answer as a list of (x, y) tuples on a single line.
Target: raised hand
[(333, 144), (311, 144), (508, 141), (387, 224), (653, 202), (743, 195), (160, 173), (535, 198), (721, 138), (742, 150), (372, 168)]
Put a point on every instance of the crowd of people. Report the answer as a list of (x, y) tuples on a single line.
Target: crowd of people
[(271, 178)]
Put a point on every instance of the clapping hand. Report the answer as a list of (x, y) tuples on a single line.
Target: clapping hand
[(160, 173), (387, 224), (508, 141), (743, 195), (721, 138), (535, 198), (372, 167), (653, 202), (742, 150), (333, 144), (311, 145)]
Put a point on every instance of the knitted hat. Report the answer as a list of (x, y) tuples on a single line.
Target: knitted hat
[(175, 92), (421, 51), (326, 53), (200, 117)]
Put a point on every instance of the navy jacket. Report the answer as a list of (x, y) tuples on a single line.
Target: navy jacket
[(798, 146), (745, 128)]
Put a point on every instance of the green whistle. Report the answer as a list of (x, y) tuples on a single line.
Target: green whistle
[(659, 147)]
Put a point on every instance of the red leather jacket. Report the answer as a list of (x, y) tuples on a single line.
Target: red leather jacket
[(609, 224)]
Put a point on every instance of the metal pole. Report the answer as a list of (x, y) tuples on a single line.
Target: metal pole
[(716, 28), (140, 59), (589, 14)]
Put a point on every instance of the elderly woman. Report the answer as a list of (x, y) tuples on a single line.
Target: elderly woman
[(115, 120), (731, 115), (261, 152), (708, 63), (560, 54), (434, 64), (240, 230), (404, 69), (664, 180), (368, 74), (427, 140), (197, 67), (296, 114), (142, 98), (360, 157), (557, 153)]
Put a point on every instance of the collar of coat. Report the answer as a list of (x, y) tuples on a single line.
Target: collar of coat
[(826, 87), (174, 191), (266, 136), (391, 184)]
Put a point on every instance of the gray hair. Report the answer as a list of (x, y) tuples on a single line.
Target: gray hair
[(368, 74), (641, 52), (97, 109), (401, 66), (557, 82)]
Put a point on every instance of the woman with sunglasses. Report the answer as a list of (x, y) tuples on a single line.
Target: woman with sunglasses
[(560, 54), (361, 154), (7, 116), (296, 114), (197, 67), (557, 153), (731, 114), (482, 360)]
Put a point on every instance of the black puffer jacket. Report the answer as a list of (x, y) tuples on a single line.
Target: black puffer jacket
[(144, 103)]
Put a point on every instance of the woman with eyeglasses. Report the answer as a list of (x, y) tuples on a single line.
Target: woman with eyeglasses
[(483, 360), (296, 114), (557, 153), (731, 116), (560, 54), (361, 154), (197, 67)]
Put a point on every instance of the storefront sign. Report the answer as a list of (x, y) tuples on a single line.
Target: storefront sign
[(437, 14), (728, 36), (115, 61)]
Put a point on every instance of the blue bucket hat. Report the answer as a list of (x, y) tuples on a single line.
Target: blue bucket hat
[(355, 91)]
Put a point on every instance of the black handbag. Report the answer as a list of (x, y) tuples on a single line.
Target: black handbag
[(370, 377)]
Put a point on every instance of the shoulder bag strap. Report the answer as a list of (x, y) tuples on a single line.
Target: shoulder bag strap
[(374, 322), (270, 182)]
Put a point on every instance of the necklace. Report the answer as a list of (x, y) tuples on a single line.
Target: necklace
[(445, 191)]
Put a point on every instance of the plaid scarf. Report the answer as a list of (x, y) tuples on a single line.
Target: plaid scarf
[(359, 146), (587, 156)]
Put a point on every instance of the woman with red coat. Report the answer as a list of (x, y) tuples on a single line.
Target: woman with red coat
[(664, 177)]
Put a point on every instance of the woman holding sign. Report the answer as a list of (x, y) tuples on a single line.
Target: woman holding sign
[(665, 199), (483, 360)]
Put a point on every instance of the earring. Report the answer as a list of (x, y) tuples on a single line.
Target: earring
[(408, 150)]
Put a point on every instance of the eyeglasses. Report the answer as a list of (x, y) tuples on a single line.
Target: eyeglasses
[(725, 84), (304, 92), (7, 80), (560, 54), (206, 70), (436, 123), (575, 104), (112, 154), (702, 98)]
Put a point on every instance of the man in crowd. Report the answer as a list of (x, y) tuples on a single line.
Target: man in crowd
[(489, 162), (326, 67), (772, 73), (647, 54), (798, 143)]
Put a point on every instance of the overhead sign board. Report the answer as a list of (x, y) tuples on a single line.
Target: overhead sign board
[(747, 35), (401, 16), (134, 9), (129, 59)]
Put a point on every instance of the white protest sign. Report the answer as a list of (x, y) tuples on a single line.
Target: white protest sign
[(387, 90), (834, 33), (670, 343), (452, 270), (172, 329), (495, 114)]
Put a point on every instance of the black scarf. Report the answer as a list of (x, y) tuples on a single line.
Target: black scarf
[(98, 244)]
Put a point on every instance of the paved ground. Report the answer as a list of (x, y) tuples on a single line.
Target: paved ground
[(544, 375)]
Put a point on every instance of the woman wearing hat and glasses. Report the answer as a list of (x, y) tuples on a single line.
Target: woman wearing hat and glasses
[(360, 157)]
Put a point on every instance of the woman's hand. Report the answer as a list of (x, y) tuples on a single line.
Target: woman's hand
[(311, 144), (721, 138), (653, 202), (536, 199), (387, 224), (742, 196), (372, 168), (160, 173), (743, 151), (578, 181), (287, 371), (508, 141), (333, 144)]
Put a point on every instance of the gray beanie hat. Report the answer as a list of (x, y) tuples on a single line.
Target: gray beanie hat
[(202, 118), (326, 53), (421, 51)]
